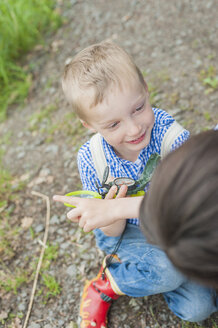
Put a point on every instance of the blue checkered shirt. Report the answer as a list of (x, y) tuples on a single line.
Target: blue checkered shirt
[(123, 168)]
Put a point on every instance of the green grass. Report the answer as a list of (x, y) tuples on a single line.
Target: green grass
[(51, 254), (43, 122), (153, 93), (9, 232), (11, 282), (52, 286), (21, 24), (10, 235), (207, 116), (209, 79), (43, 115), (5, 188), (211, 82), (9, 189)]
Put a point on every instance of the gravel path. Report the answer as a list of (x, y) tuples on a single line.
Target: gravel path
[(175, 45)]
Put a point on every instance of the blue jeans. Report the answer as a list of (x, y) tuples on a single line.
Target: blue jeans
[(145, 270)]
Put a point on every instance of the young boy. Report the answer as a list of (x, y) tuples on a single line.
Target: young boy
[(109, 94), (186, 228)]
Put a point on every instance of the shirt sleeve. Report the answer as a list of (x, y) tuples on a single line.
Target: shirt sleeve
[(163, 121), (180, 140), (86, 168)]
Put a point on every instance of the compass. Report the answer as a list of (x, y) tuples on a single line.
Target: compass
[(129, 182), (135, 187)]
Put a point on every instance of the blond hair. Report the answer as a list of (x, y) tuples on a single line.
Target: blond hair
[(96, 68)]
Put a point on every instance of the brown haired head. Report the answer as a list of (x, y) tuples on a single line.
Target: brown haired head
[(180, 211), (95, 69)]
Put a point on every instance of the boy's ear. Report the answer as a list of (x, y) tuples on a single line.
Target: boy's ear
[(87, 126), (84, 124), (146, 86)]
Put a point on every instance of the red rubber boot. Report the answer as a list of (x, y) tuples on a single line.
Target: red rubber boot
[(97, 297)]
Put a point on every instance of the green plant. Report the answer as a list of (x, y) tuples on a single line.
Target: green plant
[(44, 114), (188, 123), (211, 82), (53, 287), (209, 78), (9, 232), (5, 188), (207, 116), (32, 232), (70, 126), (153, 93), (21, 24), (6, 249), (163, 76), (153, 315), (15, 91), (214, 324), (186, 324), (8, 188), (51, 254), (11, 282), (6, 139)]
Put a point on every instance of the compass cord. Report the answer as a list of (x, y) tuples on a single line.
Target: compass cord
[(110, 258)]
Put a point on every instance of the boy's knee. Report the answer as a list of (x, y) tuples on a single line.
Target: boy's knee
[(162, 272), (196, 315), (194, 310)]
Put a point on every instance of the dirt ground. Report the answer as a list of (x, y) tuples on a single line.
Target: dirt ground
[(175, 45)]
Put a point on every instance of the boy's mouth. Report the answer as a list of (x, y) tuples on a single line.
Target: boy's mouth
[(138, 140)]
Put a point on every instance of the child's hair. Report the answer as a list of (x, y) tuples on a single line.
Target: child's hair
[(96, 68), (180, 211)]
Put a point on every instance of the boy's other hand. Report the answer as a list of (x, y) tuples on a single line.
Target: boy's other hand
[(112, 192), (92, 213)]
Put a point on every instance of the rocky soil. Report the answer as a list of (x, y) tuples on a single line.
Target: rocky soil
[(175, 45)]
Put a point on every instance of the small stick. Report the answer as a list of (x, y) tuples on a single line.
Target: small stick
[(41, 254)]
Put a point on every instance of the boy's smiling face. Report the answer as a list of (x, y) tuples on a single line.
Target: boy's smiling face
[(125, 120)]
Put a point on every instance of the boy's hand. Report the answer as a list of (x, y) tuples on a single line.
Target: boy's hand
[(93, 213), (112, 192)]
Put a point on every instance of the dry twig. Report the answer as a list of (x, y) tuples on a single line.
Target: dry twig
[(41, 254)]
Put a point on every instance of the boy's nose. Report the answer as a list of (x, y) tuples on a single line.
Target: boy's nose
[(132, 129)]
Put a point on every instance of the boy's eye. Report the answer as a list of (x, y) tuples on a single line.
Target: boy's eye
[(113, 125), (139, 108)]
